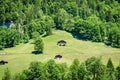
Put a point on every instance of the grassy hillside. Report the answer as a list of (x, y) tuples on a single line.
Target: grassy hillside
[(20, 56)]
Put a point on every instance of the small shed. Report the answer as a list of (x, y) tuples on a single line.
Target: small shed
[(58, 56), (2, 62), (61, 43)]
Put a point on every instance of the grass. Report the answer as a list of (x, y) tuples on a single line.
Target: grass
[(20, 56)]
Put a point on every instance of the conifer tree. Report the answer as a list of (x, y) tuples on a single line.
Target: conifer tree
[(74, 69), (110, 70), (118, 72), (82, 72), (7, 75)]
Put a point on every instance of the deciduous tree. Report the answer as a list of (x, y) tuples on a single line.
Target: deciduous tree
[(39, 45)]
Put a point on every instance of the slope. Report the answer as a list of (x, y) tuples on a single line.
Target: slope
[(20, 56)]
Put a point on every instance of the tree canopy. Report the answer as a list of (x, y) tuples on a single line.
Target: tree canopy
[(97, 21), (91, 69)]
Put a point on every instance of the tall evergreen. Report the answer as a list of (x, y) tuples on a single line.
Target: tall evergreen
[(74, 69), (118, 72), (110, 70), (7, 75)]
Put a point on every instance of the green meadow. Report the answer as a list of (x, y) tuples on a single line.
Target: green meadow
[(19, 57)]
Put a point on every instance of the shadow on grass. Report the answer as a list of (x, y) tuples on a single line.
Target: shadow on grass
[(36, 52), (32, 43), (44, 35)]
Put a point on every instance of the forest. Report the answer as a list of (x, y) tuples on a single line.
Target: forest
[(95, 20)]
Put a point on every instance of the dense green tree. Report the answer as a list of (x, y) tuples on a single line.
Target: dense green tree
[(8, 9), (7, 75), (87, 31), (52, 70), (102, 31), (26, 38), (45, 6), (118, 72), (92, 4), (110, 74), (42, 26), (36, 26), (67, 76), (35, 35), (62, 70), (82, 72), (54, 7), (110, 65), (2, 36), (39, 45), (48, 23), (71, 8), (95, 68), (114, 36), (60, 18), (36, 71), (69, 25), (19, 76), (9, 37), (74, 69)]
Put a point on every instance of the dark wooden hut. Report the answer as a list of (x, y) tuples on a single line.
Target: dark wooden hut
[(61, 43), (2, 62), (58, 56)]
